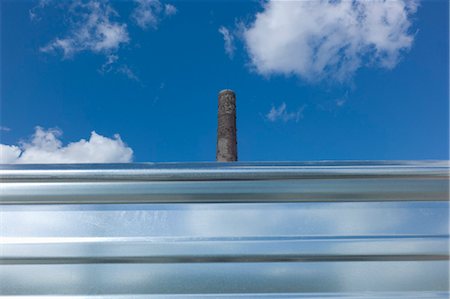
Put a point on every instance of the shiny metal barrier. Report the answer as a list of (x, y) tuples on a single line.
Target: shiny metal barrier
[(352, 229)]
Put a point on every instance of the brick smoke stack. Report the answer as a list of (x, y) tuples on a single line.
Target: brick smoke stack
[(226, 150)]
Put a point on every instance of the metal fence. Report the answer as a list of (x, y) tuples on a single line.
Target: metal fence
[(295, 230)]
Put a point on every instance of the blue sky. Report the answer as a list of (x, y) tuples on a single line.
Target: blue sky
[(314, 80)]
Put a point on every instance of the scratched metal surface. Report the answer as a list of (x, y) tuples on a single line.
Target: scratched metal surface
[(247, 230)]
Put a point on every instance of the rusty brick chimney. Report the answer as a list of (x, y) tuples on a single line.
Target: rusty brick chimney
[(226, 150)]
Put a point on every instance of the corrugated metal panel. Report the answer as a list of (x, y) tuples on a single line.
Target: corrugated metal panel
[(295, 230)]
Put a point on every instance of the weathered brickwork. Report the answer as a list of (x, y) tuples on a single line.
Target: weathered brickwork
[(226, 150)]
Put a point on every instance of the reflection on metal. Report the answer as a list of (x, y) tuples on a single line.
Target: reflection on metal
[(238, 182), (247, 230)]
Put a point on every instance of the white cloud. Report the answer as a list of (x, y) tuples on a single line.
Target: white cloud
[(148, 13), (9, 153), (112, 65), (46, 147), (108, 66), (94, 26), (5, 129), (33, 13), (170, 10), (340, 102), (228, 39), (92, 29), (327, 39), (281, 113), (125, 70)]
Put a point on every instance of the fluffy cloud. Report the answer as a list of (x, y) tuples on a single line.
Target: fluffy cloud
[(94, 26), (148, 13), (9, 153), (46, 147), (328, 39), (92, 29), (281, 113), (228, 40)]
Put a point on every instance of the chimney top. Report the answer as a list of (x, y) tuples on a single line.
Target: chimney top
[(226, 91)]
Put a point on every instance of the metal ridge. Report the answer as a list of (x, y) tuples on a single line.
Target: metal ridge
[(222, 171)]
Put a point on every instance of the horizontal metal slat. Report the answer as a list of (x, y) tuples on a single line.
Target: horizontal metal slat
[(319, 190)]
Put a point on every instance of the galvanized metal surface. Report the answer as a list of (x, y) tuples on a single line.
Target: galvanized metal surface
[(236, 182), (284, 230)]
